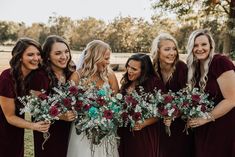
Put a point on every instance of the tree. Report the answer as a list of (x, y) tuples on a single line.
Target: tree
[(202, 12)]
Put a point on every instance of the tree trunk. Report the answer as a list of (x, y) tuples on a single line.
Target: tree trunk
[(229, 38)]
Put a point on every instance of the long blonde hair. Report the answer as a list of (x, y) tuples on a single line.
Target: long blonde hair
[(94, 53), (193, 63), (156, 47)]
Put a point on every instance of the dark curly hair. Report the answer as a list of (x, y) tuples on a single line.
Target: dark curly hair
[(46, 50), (21, 84), (147, 70)]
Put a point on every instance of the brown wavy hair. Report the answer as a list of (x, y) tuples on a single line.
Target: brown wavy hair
[(21, 84)]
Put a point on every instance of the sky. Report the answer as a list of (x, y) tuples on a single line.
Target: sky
[(30, 11)]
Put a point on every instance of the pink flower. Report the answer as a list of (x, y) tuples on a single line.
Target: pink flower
[(53, 111), (108, 114), (73, 90)]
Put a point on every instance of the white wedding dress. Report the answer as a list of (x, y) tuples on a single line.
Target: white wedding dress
[(80, 146)]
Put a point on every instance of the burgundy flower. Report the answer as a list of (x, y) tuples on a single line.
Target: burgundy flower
[(108, 114), (185, 104), (87, 107), (168, 99), (136, 116), (73, 90), (177, 111), (163, 111), (196, 98), (67, 102), (42, 96), (100, 101), (124, 116), (53, 111), (78, 105), (131, 100), (203, 107)]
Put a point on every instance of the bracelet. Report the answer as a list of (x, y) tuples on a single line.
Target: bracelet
[(210, 117)]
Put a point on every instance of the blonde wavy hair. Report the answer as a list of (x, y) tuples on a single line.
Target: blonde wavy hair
[(193, 63), (156, 45), (94, 54)]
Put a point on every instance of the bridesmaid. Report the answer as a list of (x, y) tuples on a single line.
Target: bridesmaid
[(14, 82), (213, 74), (143, 141), (56, 58), (173, 73)]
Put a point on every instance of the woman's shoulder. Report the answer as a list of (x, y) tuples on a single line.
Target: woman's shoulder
[(6, 74), (220, 64), (7, 84)]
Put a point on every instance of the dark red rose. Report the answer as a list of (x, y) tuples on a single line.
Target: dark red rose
[(131, 100), (196, 98), (100, 101), (87, 107), (53, 111), (136, 116), (73, 90), (108, 114), (203, 108), (124, 116), (67, 102), (168, 99), (163, 111), (42, 96), (78, 105), (177, 111)]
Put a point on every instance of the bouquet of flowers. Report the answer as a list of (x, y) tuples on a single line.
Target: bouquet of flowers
[(168, 108), (99, 113), (138, 106), (42, 108), (194, 103)]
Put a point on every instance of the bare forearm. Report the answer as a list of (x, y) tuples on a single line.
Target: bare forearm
[(222, 108), (19, 122)]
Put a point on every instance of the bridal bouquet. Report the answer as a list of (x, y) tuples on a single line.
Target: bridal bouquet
[(138, 106), (194, 103), (99, 114), (168, 108)]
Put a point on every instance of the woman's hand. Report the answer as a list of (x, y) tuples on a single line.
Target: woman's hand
[(68, 116), (167, 121), (196, 122), (42, 126), (139, 126)]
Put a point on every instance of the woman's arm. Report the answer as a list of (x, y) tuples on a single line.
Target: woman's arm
[(147, 122), (8, 108), (113, 82), (227, 86)]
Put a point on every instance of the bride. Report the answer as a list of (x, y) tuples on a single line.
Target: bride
[(93, 65)]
